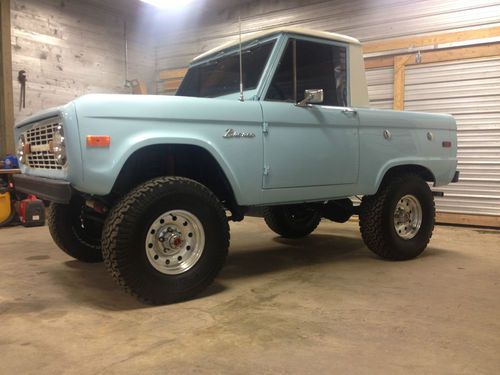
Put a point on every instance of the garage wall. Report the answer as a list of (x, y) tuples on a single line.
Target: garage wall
[(69, 48), (365, 20), (380, 87), (470, 90)]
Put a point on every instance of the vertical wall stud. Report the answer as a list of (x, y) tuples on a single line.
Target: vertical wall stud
[(6, 95), (399, 82)]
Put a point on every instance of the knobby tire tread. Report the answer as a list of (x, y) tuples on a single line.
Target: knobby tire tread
[(119, 225)]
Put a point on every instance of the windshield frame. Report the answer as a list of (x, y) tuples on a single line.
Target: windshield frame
[(251, 94)]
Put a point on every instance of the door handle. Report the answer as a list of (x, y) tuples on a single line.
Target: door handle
[(349, 111)]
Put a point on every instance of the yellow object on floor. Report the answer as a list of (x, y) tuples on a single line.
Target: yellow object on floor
[(5, 207)]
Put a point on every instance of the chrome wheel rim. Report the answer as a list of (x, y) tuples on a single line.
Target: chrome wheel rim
[(175, 242), (407, 217)]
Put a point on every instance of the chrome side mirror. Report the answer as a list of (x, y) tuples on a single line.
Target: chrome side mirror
[(311, 96)]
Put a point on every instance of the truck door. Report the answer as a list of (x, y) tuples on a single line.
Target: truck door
[(317, 144)]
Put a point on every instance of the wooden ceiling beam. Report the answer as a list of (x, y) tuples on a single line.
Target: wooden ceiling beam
[(449, 54), (429, 40)]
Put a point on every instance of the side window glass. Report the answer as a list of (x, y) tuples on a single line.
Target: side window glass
[(317, 66), (322, 66)]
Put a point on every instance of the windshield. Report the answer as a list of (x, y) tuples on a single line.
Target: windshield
[(221, 76)]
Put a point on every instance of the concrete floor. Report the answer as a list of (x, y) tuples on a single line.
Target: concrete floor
[(319, 305)]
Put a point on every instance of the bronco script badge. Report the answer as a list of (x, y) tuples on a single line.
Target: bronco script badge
[(231, 133)]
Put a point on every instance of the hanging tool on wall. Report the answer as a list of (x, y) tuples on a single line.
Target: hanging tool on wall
[(21, 78), (418, 57)]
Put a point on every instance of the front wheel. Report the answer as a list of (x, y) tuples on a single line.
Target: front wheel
[(166, 240), (77, 236), (397, 222)]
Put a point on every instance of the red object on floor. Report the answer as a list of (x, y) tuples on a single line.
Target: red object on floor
[(31, 212)]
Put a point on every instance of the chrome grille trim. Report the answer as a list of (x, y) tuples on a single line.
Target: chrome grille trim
[(39, 136)]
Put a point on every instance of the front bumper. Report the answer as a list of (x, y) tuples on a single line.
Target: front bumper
[(57, 191)]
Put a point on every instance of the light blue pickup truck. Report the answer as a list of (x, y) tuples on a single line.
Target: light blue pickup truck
[(277, 123)]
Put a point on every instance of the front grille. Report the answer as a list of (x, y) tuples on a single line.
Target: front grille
[(43, 159), (39, 136)]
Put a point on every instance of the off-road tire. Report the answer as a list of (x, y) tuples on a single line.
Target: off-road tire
[(376, 218), (65, 227), (291, 221), (126, 228)]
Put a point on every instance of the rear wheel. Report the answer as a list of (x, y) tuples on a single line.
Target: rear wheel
[(397, 222), (166, 240), (292, 221), (77, 236)]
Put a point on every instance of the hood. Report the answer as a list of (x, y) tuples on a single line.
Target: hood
[(42, 115), (147, 107)]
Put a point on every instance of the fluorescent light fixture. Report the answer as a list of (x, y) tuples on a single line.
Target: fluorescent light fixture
[(168, 4)]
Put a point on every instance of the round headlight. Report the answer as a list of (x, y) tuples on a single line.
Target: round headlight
[(58, 146), (21, 144)]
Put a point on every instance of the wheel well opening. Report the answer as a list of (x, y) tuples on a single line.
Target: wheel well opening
[(188, 161), (423, 172)]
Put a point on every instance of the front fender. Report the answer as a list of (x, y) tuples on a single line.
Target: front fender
[(135, 123), (101, 169)]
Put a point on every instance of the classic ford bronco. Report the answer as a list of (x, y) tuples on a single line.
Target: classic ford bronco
[(277, 123)]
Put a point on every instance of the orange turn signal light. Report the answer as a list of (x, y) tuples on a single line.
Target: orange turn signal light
[(98, 140)]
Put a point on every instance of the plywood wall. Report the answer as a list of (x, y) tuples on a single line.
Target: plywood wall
[(69, 48)]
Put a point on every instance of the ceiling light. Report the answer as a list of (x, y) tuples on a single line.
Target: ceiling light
[(168, 4)]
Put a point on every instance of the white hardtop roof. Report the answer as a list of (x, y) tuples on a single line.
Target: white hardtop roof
[(282, 30)]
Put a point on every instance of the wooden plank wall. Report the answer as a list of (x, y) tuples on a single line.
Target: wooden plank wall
[(366, 20), (69, 48)]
